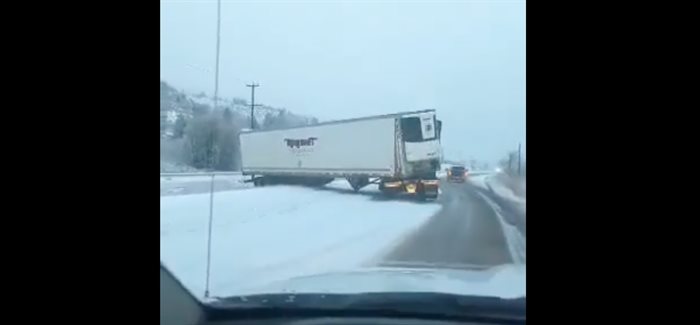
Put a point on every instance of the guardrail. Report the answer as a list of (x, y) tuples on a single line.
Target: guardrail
[(200, 174)]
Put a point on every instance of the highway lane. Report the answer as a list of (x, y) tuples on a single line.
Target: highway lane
[(467, 230)]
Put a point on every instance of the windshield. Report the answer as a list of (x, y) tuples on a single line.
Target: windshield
[(411, 129), (303, 146)]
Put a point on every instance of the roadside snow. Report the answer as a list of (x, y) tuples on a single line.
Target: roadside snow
[(178, 185), (171, 167), (491, 181), (503, 191), (268, 234), (479, 181)]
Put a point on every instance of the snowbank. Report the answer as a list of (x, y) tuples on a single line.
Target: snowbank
[(495, 184), (170, 167), (179, 185), (268, 234), (504, 188), (498, 185)]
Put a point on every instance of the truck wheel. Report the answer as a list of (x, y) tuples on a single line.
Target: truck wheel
[(260, 181)]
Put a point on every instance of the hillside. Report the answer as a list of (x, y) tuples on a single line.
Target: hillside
[(174, 103), (194, 135)]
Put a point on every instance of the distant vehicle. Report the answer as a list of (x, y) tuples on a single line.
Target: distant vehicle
[(400, 152), (457, 174)]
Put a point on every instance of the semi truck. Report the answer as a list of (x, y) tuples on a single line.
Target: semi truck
[(399, 152)]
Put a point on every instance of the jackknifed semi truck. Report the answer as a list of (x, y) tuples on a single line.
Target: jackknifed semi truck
[(399, 152)]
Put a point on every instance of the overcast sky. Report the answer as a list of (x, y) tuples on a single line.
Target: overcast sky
[(342, 59)]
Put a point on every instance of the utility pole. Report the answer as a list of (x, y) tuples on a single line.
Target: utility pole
[(218, 41), (510, 163), (519, 162), (252, 103), (211, 162)]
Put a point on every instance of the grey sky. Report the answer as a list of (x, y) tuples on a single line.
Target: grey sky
[(342, 59)]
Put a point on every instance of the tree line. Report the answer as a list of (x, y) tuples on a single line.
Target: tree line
[(512, 164), (209, 139)]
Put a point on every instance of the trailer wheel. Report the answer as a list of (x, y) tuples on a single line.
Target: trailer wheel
[(259, 181)]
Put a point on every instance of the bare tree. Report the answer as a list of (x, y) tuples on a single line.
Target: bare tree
[(509, 164)]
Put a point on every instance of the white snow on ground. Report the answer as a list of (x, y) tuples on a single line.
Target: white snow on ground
[(274, 233), (490, 180), (503, 191), (171, 167), (197, 178), (175, 185), (479, 180)]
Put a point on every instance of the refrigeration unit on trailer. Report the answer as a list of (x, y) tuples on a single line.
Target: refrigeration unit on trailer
[(400, 152)]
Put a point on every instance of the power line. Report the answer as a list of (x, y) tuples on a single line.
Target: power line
[(218, 43)]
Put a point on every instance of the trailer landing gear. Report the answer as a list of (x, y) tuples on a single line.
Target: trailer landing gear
[(358, 182)]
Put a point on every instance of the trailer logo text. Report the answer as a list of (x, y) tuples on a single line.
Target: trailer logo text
[(297, 143)]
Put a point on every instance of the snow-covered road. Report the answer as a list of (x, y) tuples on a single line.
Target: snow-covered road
[(510, 204), (261, 235)]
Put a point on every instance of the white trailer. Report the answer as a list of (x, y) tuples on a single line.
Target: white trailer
[(399, 152)]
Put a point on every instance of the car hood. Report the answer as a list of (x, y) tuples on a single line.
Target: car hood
[(507, 281)]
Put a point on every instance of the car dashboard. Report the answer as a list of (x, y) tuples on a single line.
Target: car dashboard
[(179, 307)]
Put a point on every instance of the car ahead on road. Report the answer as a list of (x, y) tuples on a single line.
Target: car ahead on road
[(457, 174)]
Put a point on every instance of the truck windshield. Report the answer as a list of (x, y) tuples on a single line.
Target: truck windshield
[(412, 131)]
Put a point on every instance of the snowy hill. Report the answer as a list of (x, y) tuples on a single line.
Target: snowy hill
[(188, 120), (174, 103), (237, 105)]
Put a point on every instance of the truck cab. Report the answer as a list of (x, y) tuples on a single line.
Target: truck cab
[(421, 142), (420, 156)]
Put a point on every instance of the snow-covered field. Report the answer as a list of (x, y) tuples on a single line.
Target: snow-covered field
[(261, 235), (171, 167), (490, 180), (179, 185)]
